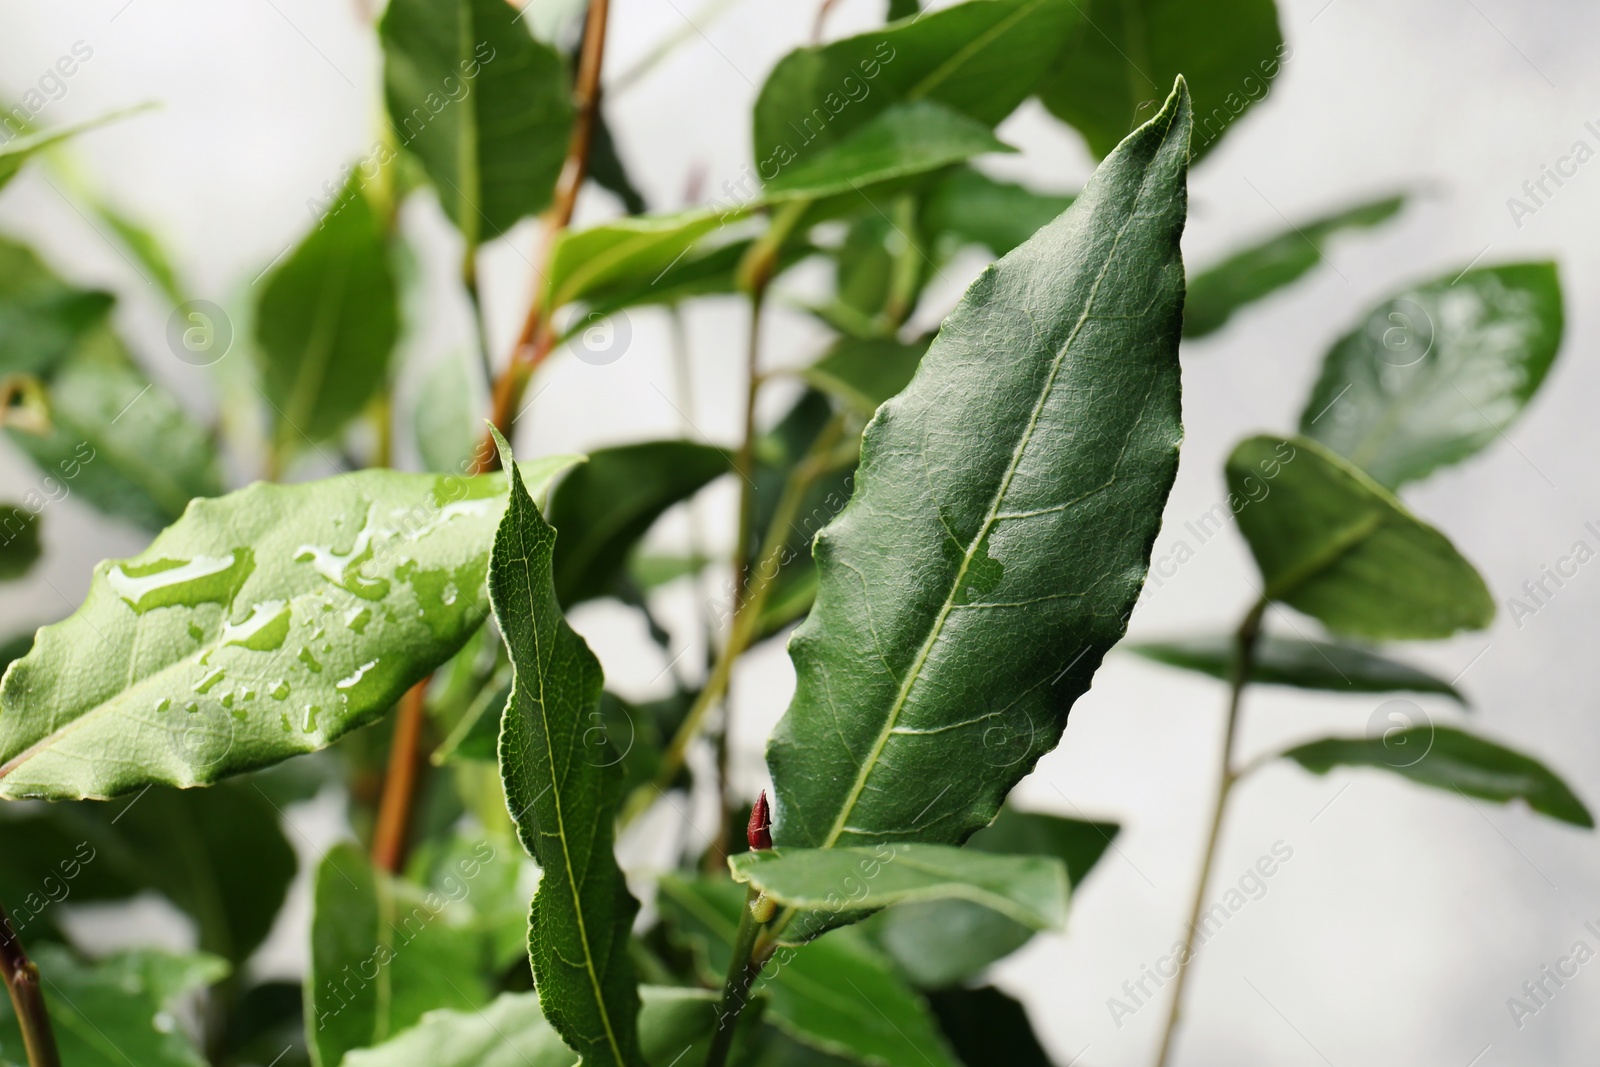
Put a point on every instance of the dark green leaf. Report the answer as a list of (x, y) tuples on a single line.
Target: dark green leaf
[(903, 9), (120, 440), (986, 1026), (981, 58), (969, 207), (563, 793), (327, 322), (41, 316), (1262, 269), (604, 508), (1329, 665), (261, 625), (1122, 53), (1447, 758), (116, 1011), (383, 952), (1075, 842), (906, 139), (1438, 371), (836, 994), (19, 541), (865, 373), (484, 106), (607, 170), (267, 1021), (991, 552), (1336, 545)]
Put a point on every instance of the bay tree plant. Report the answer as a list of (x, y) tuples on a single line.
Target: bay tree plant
[(949, 528)]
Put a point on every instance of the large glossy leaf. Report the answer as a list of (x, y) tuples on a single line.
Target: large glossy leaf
[(943, 943), (562, 791), (1262, 269), (836, 994), (981, 58), (326, 324), (484, 106), (261, 625), (1437, 372), (116, 1011), (118, 439), (19, 540), (969, 207), (992, 548), (1446, 758), (1029, 889), (1306, 664), (41, 316), (512, 1032), (1122, 54), (1336, 545), (909, 138), (604, 507), (383, 952)]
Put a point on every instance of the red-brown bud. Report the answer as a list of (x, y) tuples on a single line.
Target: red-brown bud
[(759, 832)]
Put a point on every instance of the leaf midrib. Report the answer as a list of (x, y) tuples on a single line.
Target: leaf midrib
[(914, 674)]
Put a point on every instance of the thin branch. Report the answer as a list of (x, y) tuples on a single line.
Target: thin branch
[(392, 834), (27, 998)]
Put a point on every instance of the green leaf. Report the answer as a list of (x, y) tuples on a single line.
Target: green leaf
[(19, 541), (326, 323), (1447, 758), (991, 552), (605, 263), (1262, 269), (607, 170), (484, 106), (1336, 545), (903, 9), (41, 316), (1438, 371), (986, 1026), (383, 952), (18, 149), (1329, 665), (606, 506), (981, 58), (947, 942), (836, 994), (906, 139), (116, 1011), (1029, 889), (148, 249), (864, 373), (118, 439), (283, 616), (969, 207), (1122, 53), (446, 418), (512, 1032), (563, 796)]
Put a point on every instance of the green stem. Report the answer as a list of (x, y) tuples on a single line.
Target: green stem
[(743, 966), (1243, 656), (27, 998), (469, 281)]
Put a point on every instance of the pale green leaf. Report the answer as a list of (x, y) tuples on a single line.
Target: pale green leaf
[(1438, 371), (624, 256), (18, 149), (447, 418), (1336, 545), (261, 625), (992, 548), (563, 792), (1123, 53), (1299, 662), (1451, 759), (485, 107)]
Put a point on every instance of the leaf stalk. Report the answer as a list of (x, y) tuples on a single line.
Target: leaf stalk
[(27, 998)]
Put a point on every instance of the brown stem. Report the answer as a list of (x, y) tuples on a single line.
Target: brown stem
[(1243, 655), (27, 998), (393, 831), (537, 338)]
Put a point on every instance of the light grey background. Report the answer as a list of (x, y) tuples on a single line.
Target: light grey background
[(1405, 918)]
